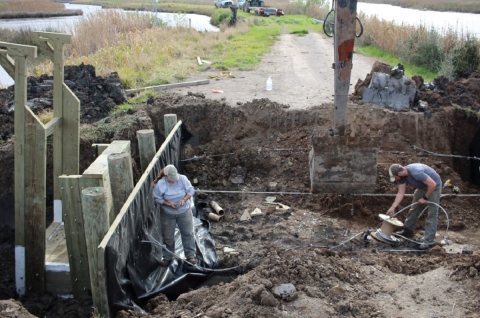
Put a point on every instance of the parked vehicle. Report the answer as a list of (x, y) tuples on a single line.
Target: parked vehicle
[(222, 3), (251, 3), (267, 11), (259, 8)]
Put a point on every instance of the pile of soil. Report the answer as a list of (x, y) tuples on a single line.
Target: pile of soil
[(98, 96), (260, 149)]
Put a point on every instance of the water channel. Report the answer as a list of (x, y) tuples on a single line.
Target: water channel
[(461, 23)]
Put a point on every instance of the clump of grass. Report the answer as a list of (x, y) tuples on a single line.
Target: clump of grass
[(119, 127), (300, 32), (45, 116)]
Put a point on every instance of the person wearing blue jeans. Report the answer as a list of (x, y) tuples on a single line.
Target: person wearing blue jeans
[(173, 192), (428, 188)]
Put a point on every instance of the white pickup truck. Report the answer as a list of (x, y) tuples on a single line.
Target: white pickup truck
[(222, 3)]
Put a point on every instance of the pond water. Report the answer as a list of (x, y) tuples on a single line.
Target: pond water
[(461, 23)]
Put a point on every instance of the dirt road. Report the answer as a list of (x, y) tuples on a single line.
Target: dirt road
[(300, 68)]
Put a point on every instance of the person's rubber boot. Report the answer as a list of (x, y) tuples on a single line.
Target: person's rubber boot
[(405, 233)]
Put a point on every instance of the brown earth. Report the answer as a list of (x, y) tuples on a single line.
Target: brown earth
[(315, 245)]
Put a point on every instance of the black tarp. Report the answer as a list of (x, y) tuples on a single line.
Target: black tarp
[(133, 252), (475, 164)]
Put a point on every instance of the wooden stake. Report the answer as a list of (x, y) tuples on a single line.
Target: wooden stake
[(146, 147), (96, 223), (121, 179), (169, 121)]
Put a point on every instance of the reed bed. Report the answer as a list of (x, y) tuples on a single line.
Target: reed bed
[(142, 52), (471, 6), (447, 51)]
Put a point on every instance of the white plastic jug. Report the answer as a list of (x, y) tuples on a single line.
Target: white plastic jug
[(269, 84)]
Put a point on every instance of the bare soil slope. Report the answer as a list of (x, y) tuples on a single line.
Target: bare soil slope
[(315, 245)]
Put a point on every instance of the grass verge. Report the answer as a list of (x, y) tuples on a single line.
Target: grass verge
[(410, 70)]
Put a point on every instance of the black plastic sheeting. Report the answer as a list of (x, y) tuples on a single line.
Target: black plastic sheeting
[(475, 164), (133, 252)]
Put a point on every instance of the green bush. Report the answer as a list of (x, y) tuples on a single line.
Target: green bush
[(424, 50), (466, 57), (220, 15)]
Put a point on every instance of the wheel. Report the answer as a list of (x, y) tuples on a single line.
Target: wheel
[(358, 28), (329, 24)]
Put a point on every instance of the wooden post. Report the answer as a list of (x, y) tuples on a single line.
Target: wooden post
[(68, 136), (71, 194), (35, 202), (169, 121), (345, 23), (20, 54), (95, 214), (121, 179), (146, 147)]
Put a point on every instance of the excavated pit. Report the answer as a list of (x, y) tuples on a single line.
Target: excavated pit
[(260, 149)]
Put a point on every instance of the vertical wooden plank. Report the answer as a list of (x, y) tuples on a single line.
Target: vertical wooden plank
[(71, 133), (95, 213), (20, 91), (35, 203), (20, 54), (146, 147), (169, 120), (344, 40), (70, 190), (121, 179)]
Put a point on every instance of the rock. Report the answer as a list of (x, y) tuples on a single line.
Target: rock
[(267, 299), (285, 292), (256, 212), (472, 271), (245, 216)]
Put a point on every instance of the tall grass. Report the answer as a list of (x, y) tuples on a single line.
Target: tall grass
[(104, 29), (446, 53), (471, 6), (145, 54)]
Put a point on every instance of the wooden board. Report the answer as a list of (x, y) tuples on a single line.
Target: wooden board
[(56, 247)]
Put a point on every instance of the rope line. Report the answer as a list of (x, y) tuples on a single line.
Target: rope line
[(443, 155), (304, 193)]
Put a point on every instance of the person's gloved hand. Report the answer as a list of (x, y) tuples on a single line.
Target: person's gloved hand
[(391, 212)]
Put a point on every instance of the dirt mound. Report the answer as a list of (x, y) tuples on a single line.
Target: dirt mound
[(441, 92), (97, 95)]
